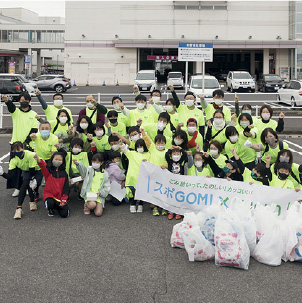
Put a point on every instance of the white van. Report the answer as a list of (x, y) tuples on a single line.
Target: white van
[(210, 84), (30, 86), (146, 80)]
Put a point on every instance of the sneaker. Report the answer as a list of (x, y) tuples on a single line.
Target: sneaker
[(170, 216), (164, 212), (51, 213), (32, 206), (80, 198), (133, 209), (18, 213), (177, 217), (155, 211), (86, 209), (16, 193), (140, 208)]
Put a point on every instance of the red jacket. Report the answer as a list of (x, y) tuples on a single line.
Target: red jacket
[(56, 183)]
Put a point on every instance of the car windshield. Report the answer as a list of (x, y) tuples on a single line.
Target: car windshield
[(23, 79), (145, 76), (272, 78), (208, 83), (242, 76), (175, 75)]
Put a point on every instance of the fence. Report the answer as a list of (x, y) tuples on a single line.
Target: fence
[(167, 94)]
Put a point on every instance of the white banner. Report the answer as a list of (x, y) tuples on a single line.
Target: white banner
[(182, 194)]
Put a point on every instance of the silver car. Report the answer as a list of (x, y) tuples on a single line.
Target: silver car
[(176, 79), (57, 83)]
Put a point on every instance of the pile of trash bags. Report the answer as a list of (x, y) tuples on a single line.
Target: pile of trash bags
[(234, 233)]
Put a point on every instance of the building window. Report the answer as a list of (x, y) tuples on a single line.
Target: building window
[(200, 5)]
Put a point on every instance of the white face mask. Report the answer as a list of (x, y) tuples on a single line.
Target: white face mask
[(233, 139), (116, 106), (135, 138), (58, 102), (95, 165), (175, 158), (169, 108), (63, 120), (218, 101), (213, 152), (247, 111), (198, 163), (189, 102), (178, 142), (140, 150), (84, 125), (99, 133), (160, 147), (161, 125), (219, 121), (115, 147), (76, 150), (244, 124), (155, 99), (192, 129), (140, 105), (90, 105)]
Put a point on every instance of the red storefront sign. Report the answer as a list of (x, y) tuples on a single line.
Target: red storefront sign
[(163, 57)]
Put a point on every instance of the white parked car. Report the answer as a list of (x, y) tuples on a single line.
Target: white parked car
[(146, 80), (176, 79), (237, 80), (210, 84), (291, 93), (30, 86)]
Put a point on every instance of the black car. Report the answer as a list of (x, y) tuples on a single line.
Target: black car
[(269, 83), (11, 87)]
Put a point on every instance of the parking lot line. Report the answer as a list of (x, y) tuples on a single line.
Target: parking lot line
[(3, 157), (294, 144)]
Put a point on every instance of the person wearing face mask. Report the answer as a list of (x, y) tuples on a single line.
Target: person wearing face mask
[(96, 184), (194, 137), (188, 110), (135, 158), (95, 111), (162, 127), (121, 109), (116, 174), (51, 111), (24, 118), (100, 138), (141, 115), (266, 121), (176, 158), (209, 109), (271, 145), (31, 176), (215, 151), (197, 165), (56, 191), (114, 125), (216, 130), (180, 138), (245, 109), (84, 128), (154, 107), (171, 110), (286, 156), (281, 179)]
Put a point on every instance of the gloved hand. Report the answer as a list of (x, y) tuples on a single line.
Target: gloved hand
[(248, 143)]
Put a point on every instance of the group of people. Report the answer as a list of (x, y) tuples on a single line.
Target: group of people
[(105, 146)]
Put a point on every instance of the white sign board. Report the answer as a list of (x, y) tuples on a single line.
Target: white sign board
[(195, 52)]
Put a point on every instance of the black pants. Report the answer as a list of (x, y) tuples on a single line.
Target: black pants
[(114, 200), (25, 186), (51, 203)]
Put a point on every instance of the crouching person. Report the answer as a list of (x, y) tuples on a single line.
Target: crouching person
[(96, 184), (56, 191)]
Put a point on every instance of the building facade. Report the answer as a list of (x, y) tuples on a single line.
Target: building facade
[(110, 41)]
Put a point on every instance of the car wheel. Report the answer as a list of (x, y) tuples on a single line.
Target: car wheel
[(232, 89), (59, 88), (278, 98), (264, 89), (252, 90), (228, 89), (293, 102)]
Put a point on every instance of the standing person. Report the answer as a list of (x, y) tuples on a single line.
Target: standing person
[(30, 173), (215, 151), (96, 181), (197, 165), (114, 124), (24, 124), (84, 127), (56, 191), (51, 111), (95, 111), (171, 110), (121, 109)]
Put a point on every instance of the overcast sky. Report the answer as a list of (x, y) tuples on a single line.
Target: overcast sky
[(53, 8)]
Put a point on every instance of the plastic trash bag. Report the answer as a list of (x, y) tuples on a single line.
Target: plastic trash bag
[(271, 246), (197, 246), (231, 248)]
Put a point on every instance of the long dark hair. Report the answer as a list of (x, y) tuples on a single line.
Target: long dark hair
[(62, 166), (90, 127)]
